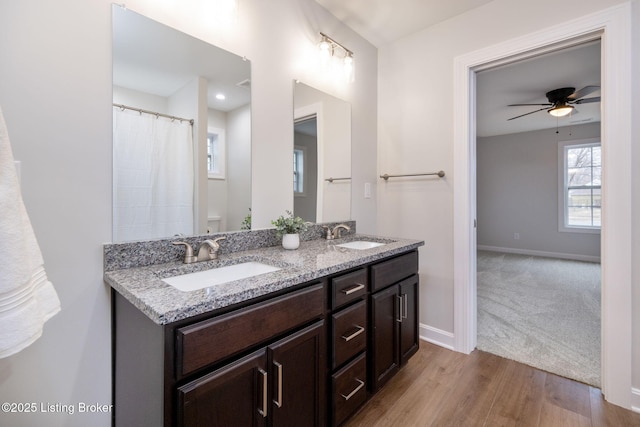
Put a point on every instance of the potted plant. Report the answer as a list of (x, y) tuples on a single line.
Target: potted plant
[(289, 228)]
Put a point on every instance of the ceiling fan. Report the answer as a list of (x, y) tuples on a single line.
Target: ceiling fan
[(561, 101)]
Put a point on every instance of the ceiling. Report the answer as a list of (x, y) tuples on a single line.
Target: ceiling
[(153, 58), (526, 81), (384, 21)]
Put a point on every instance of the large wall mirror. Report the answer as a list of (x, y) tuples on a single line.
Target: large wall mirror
[(182, 133), (321, 156)]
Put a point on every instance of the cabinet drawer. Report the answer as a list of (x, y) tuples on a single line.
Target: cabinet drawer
[(215, 339), (349, 332), (348, 287), (349, 389), (389, 272)]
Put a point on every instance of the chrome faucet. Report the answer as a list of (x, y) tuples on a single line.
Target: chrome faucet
[(208, 250), (335, 233)]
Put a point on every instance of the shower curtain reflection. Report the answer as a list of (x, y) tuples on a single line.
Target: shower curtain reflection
[(153, 176)]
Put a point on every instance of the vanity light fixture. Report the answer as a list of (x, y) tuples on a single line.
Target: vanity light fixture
[(330, 49)]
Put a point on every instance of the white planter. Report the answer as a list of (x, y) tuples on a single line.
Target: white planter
[(291, 241)]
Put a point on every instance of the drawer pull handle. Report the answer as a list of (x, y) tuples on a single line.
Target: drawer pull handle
[(278, 401), (356, 288), (357, 389), (406, 307), (353, 335), (263, 411)]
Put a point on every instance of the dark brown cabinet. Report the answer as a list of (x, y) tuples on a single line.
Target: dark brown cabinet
[(394, 317), (409, 333), (385, 357), (235, 395), (349, 389), (349, 331), (310, 356), (297, 378), (280, 385)]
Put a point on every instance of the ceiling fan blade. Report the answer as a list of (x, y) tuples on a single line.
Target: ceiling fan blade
[(520, 105), (526, 114), (583, 92), (587, 100)]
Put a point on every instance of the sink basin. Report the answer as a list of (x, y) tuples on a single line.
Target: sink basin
[(361, 245), (217, 276)]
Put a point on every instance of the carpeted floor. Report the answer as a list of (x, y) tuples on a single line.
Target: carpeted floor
[(543, 312)]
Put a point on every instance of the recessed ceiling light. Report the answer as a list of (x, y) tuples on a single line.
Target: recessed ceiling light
[(220, 96)]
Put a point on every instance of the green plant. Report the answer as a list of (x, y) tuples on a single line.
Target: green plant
[(246, 222), (289, 224)]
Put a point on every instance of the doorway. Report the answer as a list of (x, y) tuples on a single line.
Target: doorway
[(305, 167), (613, 26), (538, 284)]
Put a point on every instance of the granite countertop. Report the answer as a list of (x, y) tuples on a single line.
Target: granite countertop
[(162, 303)]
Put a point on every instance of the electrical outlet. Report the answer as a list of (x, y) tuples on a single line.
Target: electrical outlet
[(516, 236)]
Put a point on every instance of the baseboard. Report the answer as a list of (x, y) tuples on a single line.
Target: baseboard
[(575, 257), (635, 400), (436, 336)]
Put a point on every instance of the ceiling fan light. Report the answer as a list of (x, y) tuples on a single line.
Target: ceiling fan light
[(561, 110)]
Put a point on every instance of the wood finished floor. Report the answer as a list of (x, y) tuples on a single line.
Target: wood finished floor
[(439, 387)]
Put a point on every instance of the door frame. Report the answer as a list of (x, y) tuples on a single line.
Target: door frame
[(301, 113), (613, 27)]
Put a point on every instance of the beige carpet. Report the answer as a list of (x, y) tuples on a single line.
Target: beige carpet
[(542, 312)]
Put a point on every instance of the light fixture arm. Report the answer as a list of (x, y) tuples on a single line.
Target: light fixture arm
[(335, 44)]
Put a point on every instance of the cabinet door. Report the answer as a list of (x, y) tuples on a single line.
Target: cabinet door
[(385, 318), (235, 395), (409, 340), (297, 378)]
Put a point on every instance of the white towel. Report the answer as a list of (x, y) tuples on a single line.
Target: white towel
[(27, 297)]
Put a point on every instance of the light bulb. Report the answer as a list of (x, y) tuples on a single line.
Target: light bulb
[(325, 50), (561, 110), (348, 67)]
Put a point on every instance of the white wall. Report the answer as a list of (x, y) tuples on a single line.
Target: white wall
[(238, 166), (415, 129), (517, 192), (635, 94), (217, 189), (55, 92)]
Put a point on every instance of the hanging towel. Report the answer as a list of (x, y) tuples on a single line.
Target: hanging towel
[(27, 297)]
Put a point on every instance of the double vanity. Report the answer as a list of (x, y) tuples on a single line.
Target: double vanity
[(261, 335)]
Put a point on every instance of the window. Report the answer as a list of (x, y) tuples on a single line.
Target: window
[(298, 171), (215, 153), (580, 182)]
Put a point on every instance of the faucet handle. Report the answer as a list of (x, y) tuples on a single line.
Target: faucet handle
[(218, 239), (329, 235), (213, 243), (188, 253), (209, 249)]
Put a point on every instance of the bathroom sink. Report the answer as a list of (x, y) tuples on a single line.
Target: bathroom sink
[(360, 244), (218, 276)]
